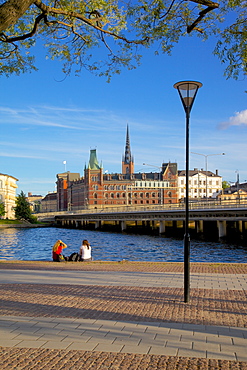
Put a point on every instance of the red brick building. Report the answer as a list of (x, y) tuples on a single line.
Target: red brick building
[(97, 189)]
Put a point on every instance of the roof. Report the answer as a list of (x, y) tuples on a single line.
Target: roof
[(93, 161), (196, 172), (4, 174)]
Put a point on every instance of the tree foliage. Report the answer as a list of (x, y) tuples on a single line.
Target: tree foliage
[(225, 184), (22, 209), (2, 209), (73, 30)]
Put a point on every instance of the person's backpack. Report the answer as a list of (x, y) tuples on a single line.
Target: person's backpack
[(74, 257)]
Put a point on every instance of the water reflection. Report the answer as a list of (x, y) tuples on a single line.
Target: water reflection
[(36, 244)]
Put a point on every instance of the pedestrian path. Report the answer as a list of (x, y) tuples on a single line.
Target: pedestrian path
[(170, 339), (138, 279), (160, 338)]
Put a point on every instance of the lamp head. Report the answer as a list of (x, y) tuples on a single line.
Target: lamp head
[(187, 91)]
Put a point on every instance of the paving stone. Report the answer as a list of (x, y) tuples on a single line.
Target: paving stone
[(142, 349), (31, 344), (195, 329)]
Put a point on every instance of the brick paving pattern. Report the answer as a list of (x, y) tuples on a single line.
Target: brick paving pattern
[(125, 303), (207, 307), (220, 268)]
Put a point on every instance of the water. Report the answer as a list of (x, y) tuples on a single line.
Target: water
[(36, 244)]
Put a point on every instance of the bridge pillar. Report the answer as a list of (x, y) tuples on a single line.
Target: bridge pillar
[(162, 227), (199, 227), (98, 224), (221, 228), (123, 225), (240, 226)]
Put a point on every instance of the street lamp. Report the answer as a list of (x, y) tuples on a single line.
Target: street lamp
[(206, 167), (187, 91)]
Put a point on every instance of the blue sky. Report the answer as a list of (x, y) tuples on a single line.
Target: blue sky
[(46, 119)]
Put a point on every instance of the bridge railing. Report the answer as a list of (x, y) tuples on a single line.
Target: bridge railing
[(161, 207)]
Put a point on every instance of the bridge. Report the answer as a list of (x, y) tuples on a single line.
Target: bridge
[(205, 217)]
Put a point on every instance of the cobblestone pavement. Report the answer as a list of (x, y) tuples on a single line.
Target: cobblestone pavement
[(209, 332)]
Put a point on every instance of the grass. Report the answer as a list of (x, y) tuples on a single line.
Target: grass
[(9, 222)]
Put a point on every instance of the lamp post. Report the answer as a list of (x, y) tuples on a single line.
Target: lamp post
[(206, 167), (187, 91)]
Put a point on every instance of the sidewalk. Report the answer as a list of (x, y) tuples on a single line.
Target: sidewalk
[(121, 320)]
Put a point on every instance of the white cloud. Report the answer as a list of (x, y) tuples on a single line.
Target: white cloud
[(240, 118)]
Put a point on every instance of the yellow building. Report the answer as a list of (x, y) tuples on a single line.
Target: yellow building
[(233, 196), (8, 188)]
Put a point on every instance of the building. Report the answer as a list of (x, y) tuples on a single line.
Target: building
[(97, 189), (49, 203), (34, 201), (234, 194), (8, 188), (202, 184), (64, 181)]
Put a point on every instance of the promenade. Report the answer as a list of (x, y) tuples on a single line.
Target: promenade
[(125, 315)]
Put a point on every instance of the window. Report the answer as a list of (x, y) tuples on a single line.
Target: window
[(1, 184), (112, 195)]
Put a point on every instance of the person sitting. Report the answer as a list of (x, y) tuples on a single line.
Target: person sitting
[(85, 251), (57, 255)]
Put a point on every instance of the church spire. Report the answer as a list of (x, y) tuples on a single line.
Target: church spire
[(127, 157), (128, 161)]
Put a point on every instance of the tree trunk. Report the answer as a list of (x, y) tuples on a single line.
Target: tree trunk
[(11, 11)]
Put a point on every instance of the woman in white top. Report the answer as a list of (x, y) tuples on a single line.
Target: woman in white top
[(85, 251)]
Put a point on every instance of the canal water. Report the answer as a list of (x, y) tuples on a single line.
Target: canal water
[(36, 244)]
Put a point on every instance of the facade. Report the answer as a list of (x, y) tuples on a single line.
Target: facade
[(8, 188), (97, 189), (233, 195), (63, 183), (202, 184), (49, 203), (34, 201)]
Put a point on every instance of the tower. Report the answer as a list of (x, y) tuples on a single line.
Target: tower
[(128, 160)]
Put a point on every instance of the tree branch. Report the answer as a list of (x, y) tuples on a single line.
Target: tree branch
[(210, 6), (91, 22), (29, 34)]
